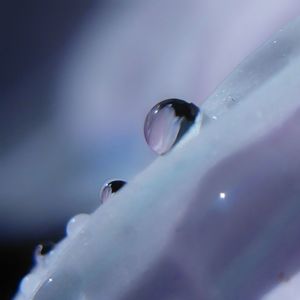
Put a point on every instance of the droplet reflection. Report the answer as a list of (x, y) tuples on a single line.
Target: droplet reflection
[(167, 122), (110, 188)]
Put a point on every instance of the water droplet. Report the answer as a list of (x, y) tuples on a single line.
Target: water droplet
[(29, 284), (77, 223), (42, 250), (167, 122), (110, 188)]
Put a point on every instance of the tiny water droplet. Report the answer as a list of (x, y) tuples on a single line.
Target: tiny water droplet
[(110, 188), (167, 122), (77, 223), (42, 250), (29, 284)]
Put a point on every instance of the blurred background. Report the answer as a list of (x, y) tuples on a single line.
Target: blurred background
[(76, 81)]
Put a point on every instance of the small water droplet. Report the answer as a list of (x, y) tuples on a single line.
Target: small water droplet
[(110, 188), (42, 250), (29, 284), (167, 122), (77, 223)]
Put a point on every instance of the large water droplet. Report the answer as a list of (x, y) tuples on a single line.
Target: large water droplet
[(110, 188), (77, 223), (167, 122)]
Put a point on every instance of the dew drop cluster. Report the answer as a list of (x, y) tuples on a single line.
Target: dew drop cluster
[(165, 126)]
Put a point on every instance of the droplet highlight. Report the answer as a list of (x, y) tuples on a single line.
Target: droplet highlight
[(61, 285), (110, 188), (76, 224), (168, 121)]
